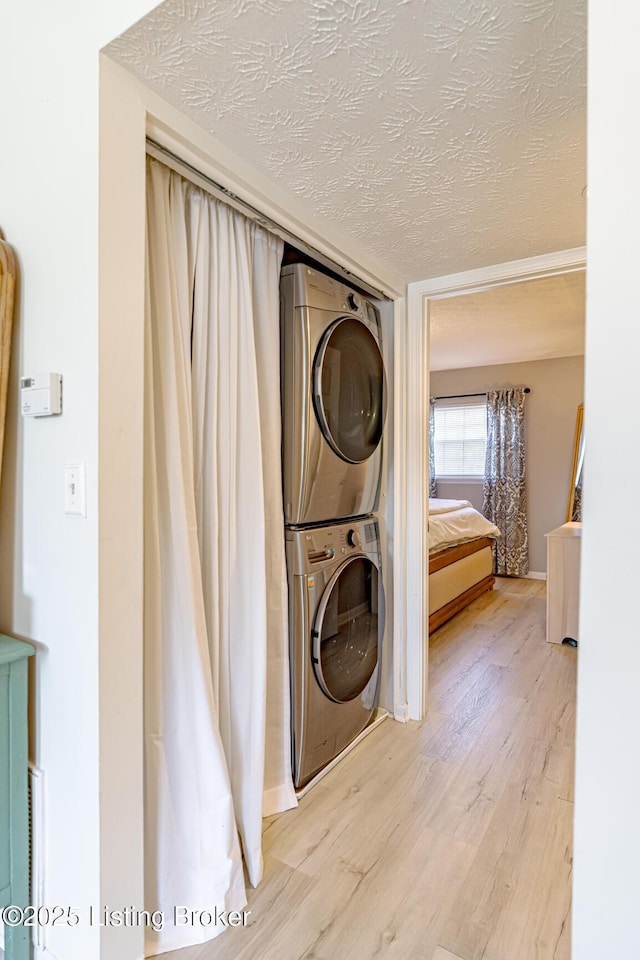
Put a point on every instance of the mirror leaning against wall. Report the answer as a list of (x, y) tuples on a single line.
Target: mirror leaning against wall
[(8, 275), (574, 504)]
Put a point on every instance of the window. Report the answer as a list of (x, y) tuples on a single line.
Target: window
[(460, 439)]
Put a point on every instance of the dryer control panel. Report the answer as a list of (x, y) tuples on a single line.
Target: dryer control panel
[(315, 289)]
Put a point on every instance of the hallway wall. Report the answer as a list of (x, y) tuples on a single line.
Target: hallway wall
[(607, 843), (49, 562)]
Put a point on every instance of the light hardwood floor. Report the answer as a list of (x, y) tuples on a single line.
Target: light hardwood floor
[(443, 840)]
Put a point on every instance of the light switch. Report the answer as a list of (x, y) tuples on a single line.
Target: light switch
[(75, 488)]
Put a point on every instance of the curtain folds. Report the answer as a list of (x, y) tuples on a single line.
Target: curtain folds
[(504, 491), (192, 854), (576, 505), (216, 656), (278, 779), (433, 489)]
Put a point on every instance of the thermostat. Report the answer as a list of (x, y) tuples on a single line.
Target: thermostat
[(41, 395)]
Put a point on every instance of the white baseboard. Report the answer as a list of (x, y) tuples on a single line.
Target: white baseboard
[(533, 575), (401, 713), (41, 953)]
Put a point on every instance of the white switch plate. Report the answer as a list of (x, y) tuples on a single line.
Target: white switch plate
[(75, 488)]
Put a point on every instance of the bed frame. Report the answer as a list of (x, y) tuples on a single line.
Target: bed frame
[(458, 575)]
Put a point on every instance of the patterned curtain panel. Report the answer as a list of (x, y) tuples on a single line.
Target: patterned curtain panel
[(576, 509), (505, 500), (432, 449)]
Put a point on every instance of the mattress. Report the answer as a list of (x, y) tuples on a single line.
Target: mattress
[(456, 521)]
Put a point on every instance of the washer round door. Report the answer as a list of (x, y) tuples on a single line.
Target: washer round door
[(347, 630), (349, 394)]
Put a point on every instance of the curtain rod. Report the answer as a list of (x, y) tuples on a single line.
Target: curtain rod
[(186, 170), (463, 396)]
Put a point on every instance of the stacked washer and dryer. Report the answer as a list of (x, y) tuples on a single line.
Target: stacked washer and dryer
[(333, 412)]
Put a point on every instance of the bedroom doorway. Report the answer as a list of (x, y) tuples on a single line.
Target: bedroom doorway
[(525, 342), (481, 330)]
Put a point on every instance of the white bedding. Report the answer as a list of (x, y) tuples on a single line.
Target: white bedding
[(456, 521), (437, 506)]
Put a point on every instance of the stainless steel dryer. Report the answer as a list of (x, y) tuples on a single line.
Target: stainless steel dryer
[(336, 623), (333, 398)]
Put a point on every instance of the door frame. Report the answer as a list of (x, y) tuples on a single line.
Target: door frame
[(416, 445)]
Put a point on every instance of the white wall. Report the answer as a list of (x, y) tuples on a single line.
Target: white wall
[(607, 838), (49, 562), (388, 682)]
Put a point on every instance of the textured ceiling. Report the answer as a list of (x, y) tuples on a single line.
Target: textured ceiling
[(441, 135), (536, 320)]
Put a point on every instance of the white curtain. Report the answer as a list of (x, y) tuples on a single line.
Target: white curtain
[(215, 585), (192, 855)]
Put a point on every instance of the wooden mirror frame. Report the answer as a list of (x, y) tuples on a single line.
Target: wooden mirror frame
[(8, 270), (577, 447)]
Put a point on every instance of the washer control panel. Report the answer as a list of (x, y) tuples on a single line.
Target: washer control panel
[(313, 549), (323, 544)]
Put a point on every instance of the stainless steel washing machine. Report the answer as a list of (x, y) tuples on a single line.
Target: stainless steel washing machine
[(333, 398), (336, 610)]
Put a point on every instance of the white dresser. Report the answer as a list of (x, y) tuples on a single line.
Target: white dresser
[(563, 581)]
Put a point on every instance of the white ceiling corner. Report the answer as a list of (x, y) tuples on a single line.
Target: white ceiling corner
[(441, 136), (534, 320)]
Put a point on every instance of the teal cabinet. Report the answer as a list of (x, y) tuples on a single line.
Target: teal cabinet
[(14, 820)]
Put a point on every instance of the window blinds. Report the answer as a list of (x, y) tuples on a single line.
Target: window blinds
[(460, 439)]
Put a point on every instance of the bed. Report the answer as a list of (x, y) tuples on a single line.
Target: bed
[(460, 558)]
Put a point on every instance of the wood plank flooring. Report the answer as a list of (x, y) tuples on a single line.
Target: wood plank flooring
[(443, 840)]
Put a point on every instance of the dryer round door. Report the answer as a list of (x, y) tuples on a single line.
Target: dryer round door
[(347, 629), (349, 393)]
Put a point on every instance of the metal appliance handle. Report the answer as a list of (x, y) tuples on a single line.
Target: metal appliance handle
[(319, 555)]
